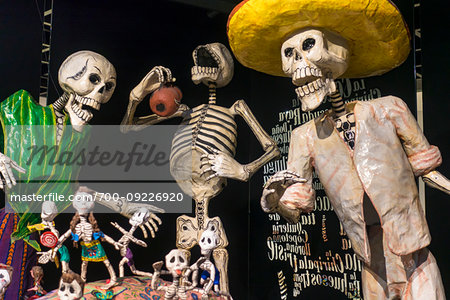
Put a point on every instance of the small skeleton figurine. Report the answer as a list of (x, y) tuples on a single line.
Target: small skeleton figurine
[(71, 286), (139, 217), (5, 278), (48, 214), (38, 274), (209, 142), (84, 227), (177, 262), (210, 276)]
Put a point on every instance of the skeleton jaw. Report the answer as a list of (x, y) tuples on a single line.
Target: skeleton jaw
[(207, 64), (79, 108), (313, 87)]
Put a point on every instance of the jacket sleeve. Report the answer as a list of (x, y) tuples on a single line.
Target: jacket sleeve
[(422, 156), (300, 195)]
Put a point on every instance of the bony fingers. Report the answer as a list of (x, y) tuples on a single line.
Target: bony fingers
[(153, 224), (143, 231), (212, 176), (17, 167), (153, 216), (152, 232)]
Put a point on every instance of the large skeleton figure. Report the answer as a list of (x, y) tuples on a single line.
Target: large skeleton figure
[(208, 141), (140, 217), (365, 153)]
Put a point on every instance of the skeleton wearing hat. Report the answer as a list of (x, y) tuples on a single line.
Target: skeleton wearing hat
[(363, 152)]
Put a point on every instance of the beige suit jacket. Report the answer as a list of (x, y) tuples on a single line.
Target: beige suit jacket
[(390, 149)]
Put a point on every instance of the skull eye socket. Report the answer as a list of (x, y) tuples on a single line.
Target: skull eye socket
[(203, 240), (94, 78), (288, 52), (62, 288), (172, 260), (108, 87), (1, 275), (308, 44), (209, 241), (71, 290), (181, 259)]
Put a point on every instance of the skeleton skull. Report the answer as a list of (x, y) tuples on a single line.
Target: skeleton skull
[(83, 203), (314, 58), (176, 262), (139, 217), (213, 63), (5, 278), (70, 290), (49, 211), (91, 79), (208, 241)]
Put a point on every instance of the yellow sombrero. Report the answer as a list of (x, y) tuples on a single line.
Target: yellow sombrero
[(377, 35)]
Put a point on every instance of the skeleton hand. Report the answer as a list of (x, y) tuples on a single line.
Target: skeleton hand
[(274, 190), (46, 256), (6, 166), (223, 165), (151, 82)]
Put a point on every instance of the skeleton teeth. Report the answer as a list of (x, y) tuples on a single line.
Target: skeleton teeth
[(302, 73), (305, 89), (311, 87), (316, 84), (307, 71)]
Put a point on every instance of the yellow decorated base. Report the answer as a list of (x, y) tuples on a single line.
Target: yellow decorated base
[(375, 30)]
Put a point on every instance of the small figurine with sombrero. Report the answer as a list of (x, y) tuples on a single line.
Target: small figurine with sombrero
[(366, 154)]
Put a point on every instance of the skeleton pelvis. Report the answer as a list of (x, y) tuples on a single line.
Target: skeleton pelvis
[(185, 168), (188, 232)]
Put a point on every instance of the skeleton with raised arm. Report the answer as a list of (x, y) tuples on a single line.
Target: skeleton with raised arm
[(140, 217), (84, 229), (208, 141), (366, 154)]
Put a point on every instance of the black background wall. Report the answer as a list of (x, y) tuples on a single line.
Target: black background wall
[(137, 35)]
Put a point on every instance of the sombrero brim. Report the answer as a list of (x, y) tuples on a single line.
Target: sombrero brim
[(377, 35)]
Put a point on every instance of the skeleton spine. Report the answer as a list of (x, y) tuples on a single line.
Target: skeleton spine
[(337, 104), (212, 93)]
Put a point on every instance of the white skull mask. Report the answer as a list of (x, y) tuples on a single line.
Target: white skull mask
[(314, 58), (83, 203), (208, 242), (91, 79), (5, 280), (139, 217), (70, 290), (176, 262), (213, 63), (49, 211)]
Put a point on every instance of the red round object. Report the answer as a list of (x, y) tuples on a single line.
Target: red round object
[(49, 239), (165, 101)]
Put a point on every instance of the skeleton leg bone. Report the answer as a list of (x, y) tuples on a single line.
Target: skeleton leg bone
[(220, 256)]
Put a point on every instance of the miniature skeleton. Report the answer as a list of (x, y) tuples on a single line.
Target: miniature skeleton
[(365, 154), (210, 276), (48, 214), (208, 141), (71, 286), (5, 278), (177, 262), (84, 227), (139, 217), (38, 274)]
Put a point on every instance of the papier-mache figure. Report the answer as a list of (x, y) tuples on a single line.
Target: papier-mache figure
[(140, 217), (366, 154), (204, 149), (71, 286), (6, 272), (88, 80), (84, 230), (37, 273), (177, 262), (50, 238)]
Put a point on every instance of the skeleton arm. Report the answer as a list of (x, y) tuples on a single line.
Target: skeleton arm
[(224, 165), (129, 236), (151, 82), (6, 166)]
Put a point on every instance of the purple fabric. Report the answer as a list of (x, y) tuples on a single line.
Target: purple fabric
[(19, 255), (129, 255)]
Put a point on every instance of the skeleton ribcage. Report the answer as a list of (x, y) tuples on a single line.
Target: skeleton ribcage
[(209, 126)]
